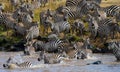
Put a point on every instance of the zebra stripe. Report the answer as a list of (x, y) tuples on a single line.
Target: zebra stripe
[(78, 26), (26, 64), (111, 10), (115, 47), (60, 27), (53, 45), (33, 32), (107, 28), (43, 2), (72, 2)]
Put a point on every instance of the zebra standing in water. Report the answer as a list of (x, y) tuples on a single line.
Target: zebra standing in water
[(83, 51), (115, 47), (16, 62), (53, 46)]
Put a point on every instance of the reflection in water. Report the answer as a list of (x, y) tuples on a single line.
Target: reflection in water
[(109, 64)]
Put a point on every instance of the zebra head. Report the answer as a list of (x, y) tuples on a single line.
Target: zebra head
[(59, 9), (92, 5), (80, 55), (13, 60), (41, 56)]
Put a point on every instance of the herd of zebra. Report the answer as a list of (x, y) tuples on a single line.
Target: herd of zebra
[(101, 22)]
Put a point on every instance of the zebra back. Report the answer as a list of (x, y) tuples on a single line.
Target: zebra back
[(72, 2)]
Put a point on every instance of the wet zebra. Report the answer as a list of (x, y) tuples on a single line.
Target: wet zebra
[(115, 47), (29, 49), (9, 65), (50, 58), (111, 10), (84, 51)]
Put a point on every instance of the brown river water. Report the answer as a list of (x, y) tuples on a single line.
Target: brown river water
[(109, 64)]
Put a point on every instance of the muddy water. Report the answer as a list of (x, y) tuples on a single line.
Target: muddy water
[(109, 64)]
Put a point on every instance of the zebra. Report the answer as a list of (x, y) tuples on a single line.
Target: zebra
[(16, 13), (71, 11), (29, 49), (23, 9), (15, 3), (96, 1), (99, 14), (27, 10), (83, 51), (10, 65), (59, 27), (25, 19), (72, 2), (111, 10), (106, 29), (52, 36), (92, 26), (2, 8), (53, 46), (78, 11), (50, 58), (38, 45), (60, 17), (78, 26), (115, 47), (117, 17), (43, 2), (33, 32), (43, 18)]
